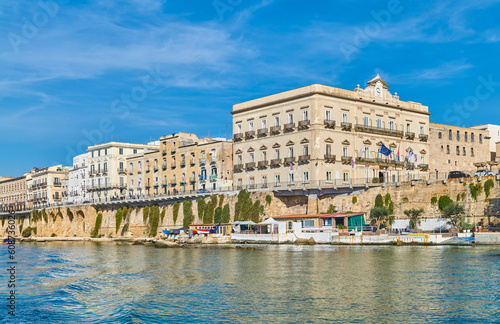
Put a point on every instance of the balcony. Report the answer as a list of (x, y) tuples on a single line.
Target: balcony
[(155, 169), (139, 171), (203, 161), (303, 124), (173, 151), (238, 137), (262, 164), (192, 179), (329, 123), (304, 158), (238, 167), (173, 184), (275, 162), (122, 171), (250, 134), (346, 126), (423, 166), (275, 130), (346, 159), (378, 130), (57, 184), (183, 183), (250, 165), (148, 170), (262, 132), (193, 163), (410, 136), (203, 177), (289, 127), (213, 178), (131, 172), (288, 160), (213, 160), (183, 164), (164, 167), (173, 166), (423, 137), (163, 153), (330, 158)]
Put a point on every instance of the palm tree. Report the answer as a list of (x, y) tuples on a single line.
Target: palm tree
[(413, 216)]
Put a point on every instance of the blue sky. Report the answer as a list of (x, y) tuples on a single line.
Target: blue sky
[(89, 71)]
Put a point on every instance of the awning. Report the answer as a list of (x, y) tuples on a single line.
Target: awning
[(269, 221), (243, 223)]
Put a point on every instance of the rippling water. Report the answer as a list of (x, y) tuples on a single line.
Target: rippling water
[(122, 283)]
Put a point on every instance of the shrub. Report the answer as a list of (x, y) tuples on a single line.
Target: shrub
[(175, 211), (434, 201), (218, 215), (208, 216), (118, 219), (162, 215), (201, 208), (354, 200), (464, 195), (187, 208), (487, 186), (387, 199), (97, 227), (458, 197), (226, 217), (154, 218), (69, 213), (413, 216), (379, 201), (27, 232), (255, 212), (375, 180), (268, 199), (405, 199), (221, 200), (45, 216), (331, 209), (443, 202), (145, 214), (475, 190), (53, 235)]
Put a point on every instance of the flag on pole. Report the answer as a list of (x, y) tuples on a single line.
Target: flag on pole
[(385, 151), (398, 153), (361, 152)]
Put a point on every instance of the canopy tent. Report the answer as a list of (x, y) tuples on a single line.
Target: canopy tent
[(269, 226), (243, 223), (242, 226)]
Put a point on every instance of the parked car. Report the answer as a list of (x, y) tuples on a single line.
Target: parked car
[(203, 191), (484, 173), (458, 174)]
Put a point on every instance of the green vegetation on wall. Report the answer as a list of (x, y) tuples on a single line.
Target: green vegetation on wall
[(331, 209), (145, 214), (243, 206), (175, 211), (475, 190), (487, 187), (218, 215), (208, 215), (434, 201), (118, 219), (69, 213), (201, 208), (187, 208), (226, 217), (268, 199), (154, 218), (354, 200), (379, 201), (97, 227), (221, 201), (443, 202), (163, 211)]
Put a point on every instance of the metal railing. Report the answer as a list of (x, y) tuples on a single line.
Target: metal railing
[(378, 130), (329, 123), (275, 129), (304, 123)]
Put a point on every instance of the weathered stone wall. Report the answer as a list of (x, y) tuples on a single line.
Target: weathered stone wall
[(82, 221)]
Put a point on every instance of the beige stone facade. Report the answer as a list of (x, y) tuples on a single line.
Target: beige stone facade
[(457, 149), (108, 176), (13, 194), (320, 135), (46, 186)]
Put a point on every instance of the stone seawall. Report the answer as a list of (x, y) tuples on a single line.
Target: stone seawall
[(80, 221)]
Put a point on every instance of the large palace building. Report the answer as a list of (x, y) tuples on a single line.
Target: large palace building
[(321, 135)]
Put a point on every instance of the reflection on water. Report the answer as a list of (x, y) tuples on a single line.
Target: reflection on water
[(108, 282)]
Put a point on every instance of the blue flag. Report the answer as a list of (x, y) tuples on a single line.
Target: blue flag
[(385, 151)]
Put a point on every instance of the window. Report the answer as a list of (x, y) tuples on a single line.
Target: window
[(92, 153), (463, 151), (465, 136), (306, 176), (135, 151), (290, 177), (408, 128), (308, 223), (238, 127), (306, 149), (305, 115), (379, 123), (264, 180), (422, 132), (277, 154), (344, 151), (105, 151), (328, 115), (290, 118), (328, 149), (472, 151), (391, 125), (276, 121), (290, 151), (481, 138), (447, 149), (458, 135), (98, 152), (277, 179), (250, 126), (251, 158), (240, 159), (263, 121), (422, 159), (450, 136), (366, 121), (252, 181), (367, 152), (345, 176), (328, 175), (121, 151), (472, 137), (458, 150), (240, 183), (440, 135), (344, 117), (264, 156), (121, 181)]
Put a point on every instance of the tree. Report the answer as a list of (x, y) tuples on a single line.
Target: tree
[(443, 202), (218, 215), (226, 217), (380, 214), (379, 201), (413, 216), (454, 212)]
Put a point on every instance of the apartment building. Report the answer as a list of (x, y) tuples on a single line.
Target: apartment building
[(78, 178), (455, 148), (13, 194), (45, 186), (494, 137), (320, 135), (108, 177), (138, 164)]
